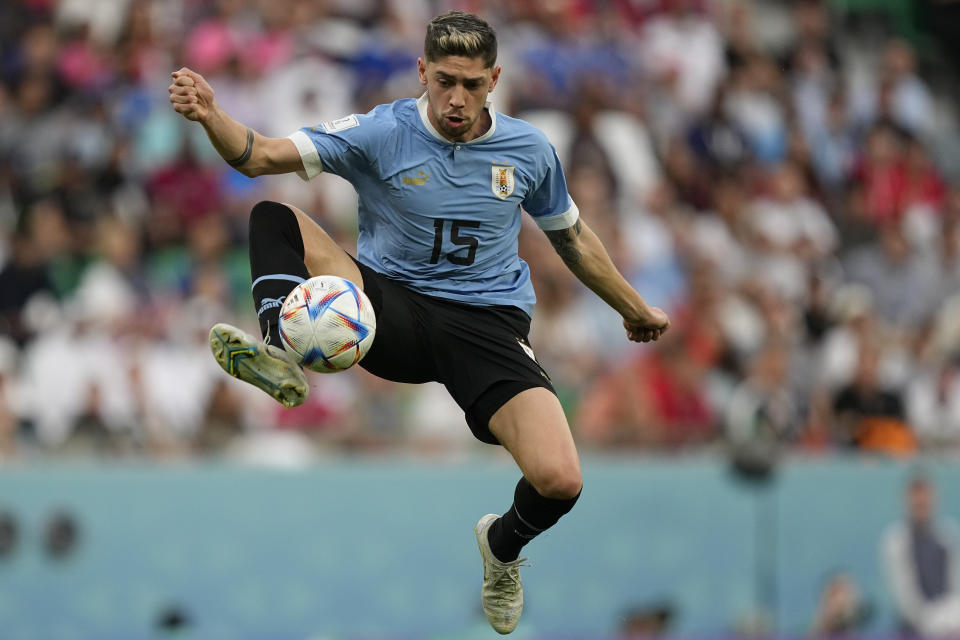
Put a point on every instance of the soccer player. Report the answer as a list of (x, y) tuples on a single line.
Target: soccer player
[(442, 182)]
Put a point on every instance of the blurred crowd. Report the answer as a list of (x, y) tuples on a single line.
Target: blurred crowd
[(779, 176)]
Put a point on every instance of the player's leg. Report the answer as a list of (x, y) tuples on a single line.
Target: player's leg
[(487, 364), (532, 427), (286, 248)]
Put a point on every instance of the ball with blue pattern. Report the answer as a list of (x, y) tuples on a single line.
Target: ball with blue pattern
[(327, 323)]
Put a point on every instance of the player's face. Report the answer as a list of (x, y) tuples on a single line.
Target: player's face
[(457, 89)]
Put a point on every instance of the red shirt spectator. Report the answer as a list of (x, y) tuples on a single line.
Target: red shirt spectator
[(659, 400), (882, 174), (923, 184)]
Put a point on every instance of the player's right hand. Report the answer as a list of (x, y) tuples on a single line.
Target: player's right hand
[(190, 95), (647, 327)]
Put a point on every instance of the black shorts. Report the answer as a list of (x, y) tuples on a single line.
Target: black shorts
[(479, 353)]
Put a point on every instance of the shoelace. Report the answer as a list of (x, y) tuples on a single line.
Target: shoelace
[(506, 579)]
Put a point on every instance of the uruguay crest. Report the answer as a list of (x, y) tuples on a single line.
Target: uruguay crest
[(501, 181)]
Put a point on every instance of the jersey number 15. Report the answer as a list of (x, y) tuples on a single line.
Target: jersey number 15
[(461, 241)]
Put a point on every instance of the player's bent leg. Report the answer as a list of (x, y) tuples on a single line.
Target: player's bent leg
[(533, 428), (276, 266), (276, 263), (286, 248)]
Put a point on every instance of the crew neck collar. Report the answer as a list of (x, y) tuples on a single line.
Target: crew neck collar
[(425, 118)]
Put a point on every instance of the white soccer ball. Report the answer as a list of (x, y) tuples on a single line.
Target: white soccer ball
[(327, 323)]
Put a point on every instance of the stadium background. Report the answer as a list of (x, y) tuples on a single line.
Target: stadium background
[(777, 175)]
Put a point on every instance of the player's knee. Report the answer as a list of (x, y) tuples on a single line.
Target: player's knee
[(559, 484), (273, 224), (267, 215)]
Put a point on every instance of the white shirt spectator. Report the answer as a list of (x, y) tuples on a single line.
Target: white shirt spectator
[(624, 138), (784, 224), (691, 48), (933, 406), (931, 618)]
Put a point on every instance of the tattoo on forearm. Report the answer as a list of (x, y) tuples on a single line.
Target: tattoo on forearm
[(241, 160), (563, 243)]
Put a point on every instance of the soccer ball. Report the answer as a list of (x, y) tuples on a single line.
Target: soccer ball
[(327, 323)]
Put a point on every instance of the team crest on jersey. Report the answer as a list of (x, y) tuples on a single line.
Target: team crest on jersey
[(501, 181)]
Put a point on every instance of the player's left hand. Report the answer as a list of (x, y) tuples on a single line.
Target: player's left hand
[(648, 327)]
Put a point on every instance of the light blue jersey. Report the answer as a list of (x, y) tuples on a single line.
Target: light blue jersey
[(443, 217)]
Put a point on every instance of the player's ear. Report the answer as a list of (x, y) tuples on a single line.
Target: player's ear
[(422, 71), (494, 77)]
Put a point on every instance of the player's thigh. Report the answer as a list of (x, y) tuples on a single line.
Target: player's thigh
[(321, 255), (534, 429)]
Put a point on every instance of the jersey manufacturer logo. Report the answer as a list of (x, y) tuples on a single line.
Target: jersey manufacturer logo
[(501, 181), (418, 181), (340, 124)]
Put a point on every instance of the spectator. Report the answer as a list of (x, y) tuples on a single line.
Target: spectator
[(724, 237), (647, 621), (867, 414), (813, 84), (658, 401), (794, 230), (841, 611), (923, 185), (833, 145), (684, 55), (881, 174), (943, 258), (903, 96), (919, 557), (22, 278), (755, 104), (718, 142), (933, 405), (812, 23), (764, 405), (896, 276)]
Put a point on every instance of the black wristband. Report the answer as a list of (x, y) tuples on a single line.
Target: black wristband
[(241, 160)]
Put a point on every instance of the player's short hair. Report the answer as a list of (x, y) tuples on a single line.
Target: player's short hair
[(456, 33)]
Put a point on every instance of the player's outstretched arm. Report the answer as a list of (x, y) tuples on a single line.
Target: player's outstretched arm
[(584, 254), (243, 148)]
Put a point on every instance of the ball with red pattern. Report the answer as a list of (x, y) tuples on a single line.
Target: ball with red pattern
[(327, 323)]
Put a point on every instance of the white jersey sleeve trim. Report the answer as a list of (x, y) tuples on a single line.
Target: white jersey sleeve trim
[(559, 221), (312, 165)]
